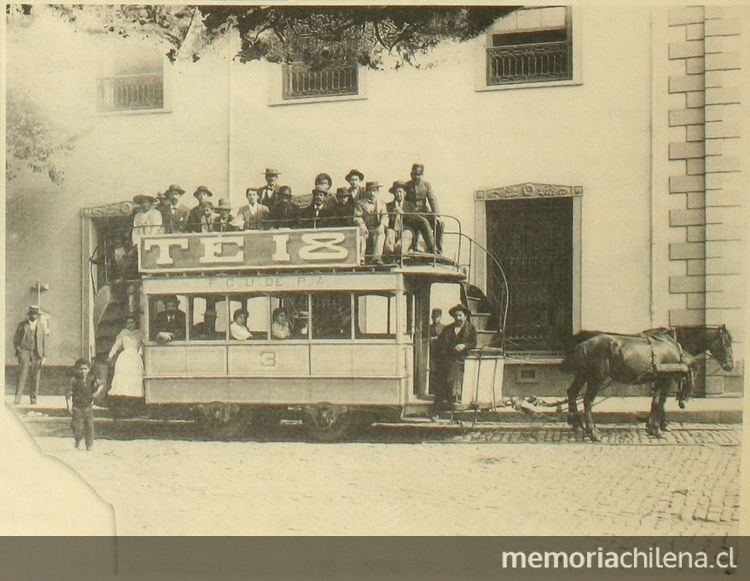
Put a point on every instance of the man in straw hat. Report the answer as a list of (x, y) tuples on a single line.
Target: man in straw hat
[(451, 348), (203, 195), (29, 343), (174, 215), (372, 218), (267, 192), (148, 220)]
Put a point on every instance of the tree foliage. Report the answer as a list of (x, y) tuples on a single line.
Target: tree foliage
[(315, 35), (34, 141)]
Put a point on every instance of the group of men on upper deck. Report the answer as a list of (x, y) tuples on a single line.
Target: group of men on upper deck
[(392, 228)]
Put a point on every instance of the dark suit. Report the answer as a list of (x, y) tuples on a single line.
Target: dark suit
[(408, 218), (449, 362), (165, 323), (342, 215), (310, 218), (174, 218), (30, 348), (284, 215), (267, 194)]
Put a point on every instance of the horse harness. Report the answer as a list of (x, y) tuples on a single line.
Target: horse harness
[(682, 370)]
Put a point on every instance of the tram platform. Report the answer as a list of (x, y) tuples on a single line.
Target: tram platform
[(612, 410)]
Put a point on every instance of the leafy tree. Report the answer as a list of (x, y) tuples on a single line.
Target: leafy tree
[(34, 142)]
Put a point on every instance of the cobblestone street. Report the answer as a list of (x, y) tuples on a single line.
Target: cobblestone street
[(518, 480)]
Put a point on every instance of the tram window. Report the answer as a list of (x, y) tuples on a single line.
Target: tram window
[(375, 316), (208, 318), (289, 316), (257, 309), (331, 316), (168, 321)]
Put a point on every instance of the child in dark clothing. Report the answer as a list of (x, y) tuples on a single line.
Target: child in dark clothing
[(84, 386)]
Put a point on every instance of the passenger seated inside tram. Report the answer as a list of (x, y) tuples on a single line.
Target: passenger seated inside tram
[(170, 323), (238, 327), (281, 327), (207, 329)]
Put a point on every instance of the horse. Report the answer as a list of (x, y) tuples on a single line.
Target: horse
[(658, 356)]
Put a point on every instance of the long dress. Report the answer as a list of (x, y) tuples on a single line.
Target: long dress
[(128, 378)]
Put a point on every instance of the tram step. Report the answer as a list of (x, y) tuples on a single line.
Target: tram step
[(484, 338), (480, 320)]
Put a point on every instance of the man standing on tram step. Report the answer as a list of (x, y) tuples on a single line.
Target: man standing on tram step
[(174, 215), (420, 194), (170, 323), (372, 218), (223, 221), (29, 342), (254, 214), (202, 194), (342, 212), (267, 193), (316, 215), (148, 221), (284, 213), (84, 387), (451, 348), (355, 179)]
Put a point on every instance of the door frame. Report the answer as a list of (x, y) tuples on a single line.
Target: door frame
[(530, 190)]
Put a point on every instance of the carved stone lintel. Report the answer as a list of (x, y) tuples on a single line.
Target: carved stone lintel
[(529, 190), (115, 209)]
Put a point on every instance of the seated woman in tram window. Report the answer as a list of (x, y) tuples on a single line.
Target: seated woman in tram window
[(281, 327), (238, 328)]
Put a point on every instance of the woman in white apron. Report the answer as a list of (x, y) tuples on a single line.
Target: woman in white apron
[(128, 378)]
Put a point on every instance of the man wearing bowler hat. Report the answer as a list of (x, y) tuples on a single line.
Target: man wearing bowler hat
[(29, 343), (267, 192), (169, 324), (420, 194), (284, 213), (203, 195), (323, 183), (372, 218), (356, 178), (174, 215), (343, 210), (316, 215), (451, 348)]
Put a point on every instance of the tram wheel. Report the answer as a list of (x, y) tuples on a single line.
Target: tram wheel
[(328, 423), (220, 421)]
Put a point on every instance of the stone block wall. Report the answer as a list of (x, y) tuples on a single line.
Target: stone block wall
[(705, 153)]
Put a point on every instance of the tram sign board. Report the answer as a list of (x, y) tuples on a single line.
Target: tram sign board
[(249, 250)]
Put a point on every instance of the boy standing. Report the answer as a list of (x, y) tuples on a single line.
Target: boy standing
[(84, 385)]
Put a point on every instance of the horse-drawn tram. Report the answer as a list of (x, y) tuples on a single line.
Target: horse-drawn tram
[(244, 329)]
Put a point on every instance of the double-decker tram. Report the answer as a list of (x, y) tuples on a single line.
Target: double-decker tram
[(245, 329)]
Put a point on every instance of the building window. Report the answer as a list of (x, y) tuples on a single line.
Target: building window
[(530, 46), (132, 83), (301, 82)]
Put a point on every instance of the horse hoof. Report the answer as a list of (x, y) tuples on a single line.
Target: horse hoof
[(595, 437), (665, 428)]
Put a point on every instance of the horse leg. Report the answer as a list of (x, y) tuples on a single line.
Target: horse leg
[(652, 421), (588, 399), (664, 390), (574, 419)]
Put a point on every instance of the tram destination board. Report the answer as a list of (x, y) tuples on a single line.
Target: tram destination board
[(249, 250)]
